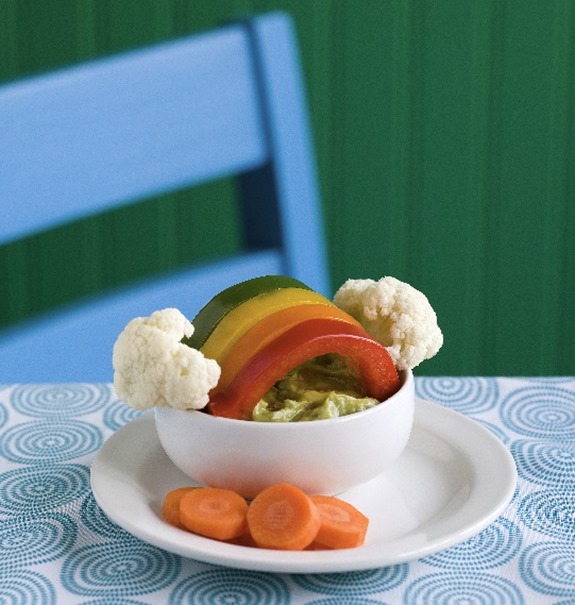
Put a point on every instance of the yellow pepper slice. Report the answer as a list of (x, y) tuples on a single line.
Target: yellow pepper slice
[(240, 319)]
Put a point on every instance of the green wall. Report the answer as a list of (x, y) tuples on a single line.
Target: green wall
[(445, 134)]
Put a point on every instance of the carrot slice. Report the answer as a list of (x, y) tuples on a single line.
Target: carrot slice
[(171, 505), (283, 517), (342, 525), (214, 513)]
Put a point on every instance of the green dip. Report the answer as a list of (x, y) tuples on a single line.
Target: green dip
[(324, 387)]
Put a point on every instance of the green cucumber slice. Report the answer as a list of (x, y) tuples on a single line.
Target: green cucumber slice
[(220, 305)]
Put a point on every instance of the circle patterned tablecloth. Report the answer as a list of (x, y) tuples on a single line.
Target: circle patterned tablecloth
[(56, 545)]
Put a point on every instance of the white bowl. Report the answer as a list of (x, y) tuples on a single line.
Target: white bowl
[(320, 456)]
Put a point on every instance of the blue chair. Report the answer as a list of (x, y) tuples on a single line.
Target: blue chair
[(92, 137)]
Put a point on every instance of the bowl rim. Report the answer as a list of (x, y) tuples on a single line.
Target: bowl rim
[(407, 381)]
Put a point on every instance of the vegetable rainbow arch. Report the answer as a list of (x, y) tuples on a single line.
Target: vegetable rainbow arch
[(261, 329)]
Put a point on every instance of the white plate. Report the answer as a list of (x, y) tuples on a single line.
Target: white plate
[(454, 478)]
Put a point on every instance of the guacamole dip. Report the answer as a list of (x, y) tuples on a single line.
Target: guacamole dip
[(324, 387)]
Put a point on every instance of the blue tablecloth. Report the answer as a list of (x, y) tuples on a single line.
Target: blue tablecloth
[(56, 546)]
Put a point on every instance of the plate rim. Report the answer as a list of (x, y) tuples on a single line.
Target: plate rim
[(428, 416)]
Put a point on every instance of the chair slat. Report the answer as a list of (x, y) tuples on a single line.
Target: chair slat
[(92, 137), (82, 350)]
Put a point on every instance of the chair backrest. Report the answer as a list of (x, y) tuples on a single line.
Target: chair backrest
[(85, 139)]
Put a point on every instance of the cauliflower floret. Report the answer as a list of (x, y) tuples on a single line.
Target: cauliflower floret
[(152, 367), (396, 315)]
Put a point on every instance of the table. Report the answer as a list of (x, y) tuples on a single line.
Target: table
[(57, 546)]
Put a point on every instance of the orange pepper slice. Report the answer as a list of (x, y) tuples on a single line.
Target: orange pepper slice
[(268, 329)]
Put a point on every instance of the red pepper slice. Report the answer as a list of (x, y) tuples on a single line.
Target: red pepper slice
[(305, 341)]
